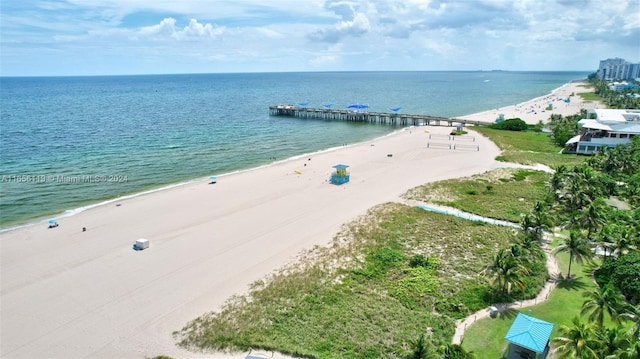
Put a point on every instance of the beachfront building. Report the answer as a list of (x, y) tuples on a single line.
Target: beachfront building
[(604, 128), (528, 338), (621, 86), (618, 69)]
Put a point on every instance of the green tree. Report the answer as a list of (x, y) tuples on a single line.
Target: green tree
[(577, 247), (631, 352), (505, 271), (594, 216), (577, 341), (455, 351), (604, 299), (612, 341), (419, 349)]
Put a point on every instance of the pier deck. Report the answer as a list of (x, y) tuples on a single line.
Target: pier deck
[(390, 118)]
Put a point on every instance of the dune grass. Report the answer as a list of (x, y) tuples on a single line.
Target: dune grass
[(393, 275), (505, 194), (528, 147)]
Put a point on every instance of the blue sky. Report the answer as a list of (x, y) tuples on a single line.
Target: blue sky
[(108, 37)]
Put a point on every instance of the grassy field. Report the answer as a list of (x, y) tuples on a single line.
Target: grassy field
[(590, 96), (528, 148), (505, 194), (394, 274)]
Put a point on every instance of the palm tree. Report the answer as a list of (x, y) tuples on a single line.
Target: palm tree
[(505, 271), (419, 350), (603, 299), (612, 340), (541, 219), (577, 341), (623, 241), (593, 216), (455, 351), (632, 313), (577, 247), (631, 352)]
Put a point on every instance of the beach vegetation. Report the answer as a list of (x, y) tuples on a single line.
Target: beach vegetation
[(513, 193), (457, 132), (511, 124), (396, 274)]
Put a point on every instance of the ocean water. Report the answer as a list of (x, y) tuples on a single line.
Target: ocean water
[(67, 143)]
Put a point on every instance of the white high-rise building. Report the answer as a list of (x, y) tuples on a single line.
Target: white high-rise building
[(618, 69)]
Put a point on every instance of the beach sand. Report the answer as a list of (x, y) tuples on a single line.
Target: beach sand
[(66, 293), (534, 111)]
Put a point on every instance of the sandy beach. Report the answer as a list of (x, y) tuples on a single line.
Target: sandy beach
[(535, 110), (69, 293)]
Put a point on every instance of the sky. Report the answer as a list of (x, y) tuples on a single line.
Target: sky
[(121, 37)]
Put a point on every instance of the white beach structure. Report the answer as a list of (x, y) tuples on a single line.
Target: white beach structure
[(604, 128)]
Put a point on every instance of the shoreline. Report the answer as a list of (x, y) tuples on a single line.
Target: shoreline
[(533, 111), (488, 116), (70, 293), (42, 220)]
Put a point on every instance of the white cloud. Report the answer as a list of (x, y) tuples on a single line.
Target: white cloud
[(252, 35)]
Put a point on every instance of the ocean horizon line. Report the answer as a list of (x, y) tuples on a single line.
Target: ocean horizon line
[(291, 72)]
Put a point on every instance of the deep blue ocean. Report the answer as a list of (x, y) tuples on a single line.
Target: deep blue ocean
[(71, 142)]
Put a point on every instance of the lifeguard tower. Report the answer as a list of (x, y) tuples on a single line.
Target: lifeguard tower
[(340, 176)]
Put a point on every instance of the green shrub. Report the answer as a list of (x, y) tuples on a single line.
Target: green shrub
[(623, 273), (512, 124), (420, 260)]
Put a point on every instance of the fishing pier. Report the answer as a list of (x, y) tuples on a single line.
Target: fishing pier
[(390, 118)]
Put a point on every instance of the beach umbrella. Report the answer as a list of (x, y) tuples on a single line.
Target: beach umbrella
[(358, 106), (213, 179), (395, 109), (52, 221)]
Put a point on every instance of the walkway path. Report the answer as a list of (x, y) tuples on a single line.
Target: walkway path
[(554, 272), (552, 267)]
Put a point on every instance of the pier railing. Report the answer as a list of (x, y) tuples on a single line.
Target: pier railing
[(391, 118)]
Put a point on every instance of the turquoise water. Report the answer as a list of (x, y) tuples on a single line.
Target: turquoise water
[(70, 142)]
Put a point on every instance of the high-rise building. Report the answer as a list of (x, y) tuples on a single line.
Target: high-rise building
[(618, 69)]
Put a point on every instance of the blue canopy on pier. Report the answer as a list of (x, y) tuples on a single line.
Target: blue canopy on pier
[(358, 106), (395, 109), (328, 105), (303, 104)]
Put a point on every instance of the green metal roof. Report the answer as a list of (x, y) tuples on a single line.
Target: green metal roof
[(529, 332)]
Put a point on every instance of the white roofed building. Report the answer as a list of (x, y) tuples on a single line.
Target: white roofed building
[(604, 128)]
